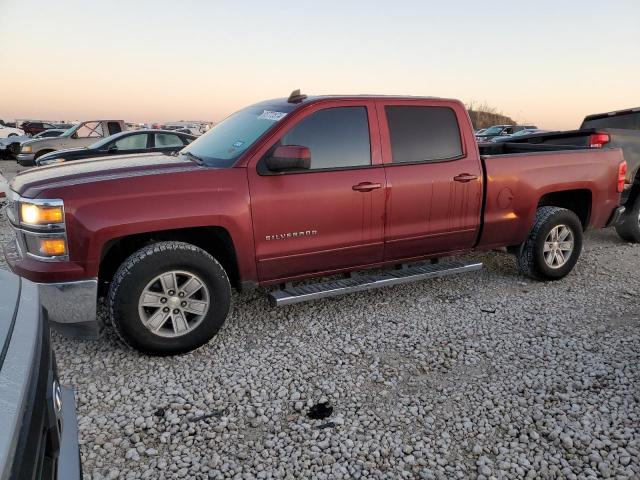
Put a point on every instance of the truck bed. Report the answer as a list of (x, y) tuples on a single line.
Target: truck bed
[(516, 182), (626, 139)]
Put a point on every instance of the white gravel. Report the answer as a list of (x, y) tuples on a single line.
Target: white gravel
[(487, 375)]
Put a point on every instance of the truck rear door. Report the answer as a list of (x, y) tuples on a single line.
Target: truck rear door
[(434, 176), (328, 217)]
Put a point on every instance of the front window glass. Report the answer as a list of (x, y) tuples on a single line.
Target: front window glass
[(336, 137), (223, 144)]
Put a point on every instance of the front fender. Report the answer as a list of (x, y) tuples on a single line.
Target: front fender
[(98, 213)]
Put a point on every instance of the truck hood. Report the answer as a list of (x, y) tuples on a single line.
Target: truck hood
[(31, 182)]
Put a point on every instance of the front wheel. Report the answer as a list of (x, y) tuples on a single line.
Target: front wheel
[(169, 298), (553, 246), (629, 227)]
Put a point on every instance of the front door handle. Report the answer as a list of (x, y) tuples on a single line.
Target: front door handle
[(465, 177), (366, 186)]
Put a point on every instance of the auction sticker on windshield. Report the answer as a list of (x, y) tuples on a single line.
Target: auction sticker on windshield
[(273, 116)]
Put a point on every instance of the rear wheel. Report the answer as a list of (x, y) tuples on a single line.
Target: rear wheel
[(629, 228), (554, 245), (169, 298)]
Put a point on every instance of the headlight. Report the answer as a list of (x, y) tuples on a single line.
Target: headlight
[(40, 227), (26, 149), (35, 214)]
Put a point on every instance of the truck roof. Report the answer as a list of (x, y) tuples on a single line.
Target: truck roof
[(296, 99), (612, 114)]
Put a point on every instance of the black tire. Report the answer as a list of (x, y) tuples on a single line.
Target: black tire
[(142, 267), (531, 257), (629, 227)]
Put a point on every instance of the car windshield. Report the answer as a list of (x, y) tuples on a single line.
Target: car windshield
[(222, 145), (492, 131)]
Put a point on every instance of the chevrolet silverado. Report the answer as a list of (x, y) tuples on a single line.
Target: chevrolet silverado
[(288, 190)]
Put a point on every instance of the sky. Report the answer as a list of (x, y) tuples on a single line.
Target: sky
[(548, 62)]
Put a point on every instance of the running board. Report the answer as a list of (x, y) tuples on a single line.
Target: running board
[(359, 283)]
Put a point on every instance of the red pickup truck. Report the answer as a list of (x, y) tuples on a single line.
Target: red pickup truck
[(291, 189)]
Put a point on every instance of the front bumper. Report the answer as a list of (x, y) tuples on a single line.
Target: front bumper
[(72, 307), (26, 159), (616, 216)]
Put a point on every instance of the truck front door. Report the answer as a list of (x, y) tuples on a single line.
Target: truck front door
[(434, 180), (330, 216)]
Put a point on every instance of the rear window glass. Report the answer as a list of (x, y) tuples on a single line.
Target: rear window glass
[(423, 134), (628, 121)]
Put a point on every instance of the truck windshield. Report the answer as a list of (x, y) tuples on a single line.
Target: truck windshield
[(224, 143)]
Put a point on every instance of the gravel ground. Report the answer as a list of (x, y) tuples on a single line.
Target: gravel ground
[(487, 375)]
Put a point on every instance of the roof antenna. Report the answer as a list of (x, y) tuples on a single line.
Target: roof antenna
[(296, 96)]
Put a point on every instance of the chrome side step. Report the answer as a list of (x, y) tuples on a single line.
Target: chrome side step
[(358, 283)]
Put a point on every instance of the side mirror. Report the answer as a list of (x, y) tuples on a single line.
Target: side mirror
[(74, 135), (112, 149), (289, 157)]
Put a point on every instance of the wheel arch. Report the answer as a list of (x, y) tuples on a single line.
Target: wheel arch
[(579, 201), (44, 151), (214, 240)]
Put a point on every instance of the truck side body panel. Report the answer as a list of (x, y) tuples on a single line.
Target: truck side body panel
[(429, 212), (517, 182), (627, 140), (314, 221)]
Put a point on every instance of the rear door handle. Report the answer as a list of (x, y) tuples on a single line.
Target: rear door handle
[(366, 186), (465, 177)]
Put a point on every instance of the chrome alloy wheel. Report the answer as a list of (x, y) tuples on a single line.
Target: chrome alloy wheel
[(558, 246), (174, 303)]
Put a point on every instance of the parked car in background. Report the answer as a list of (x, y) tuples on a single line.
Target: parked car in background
[(10, 146), (291, 189), (617, 129), (33, 128), (185, 127), (39, 437), (81, 135), (6, 132), (526, 131), (123, 143), (501, 130)]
